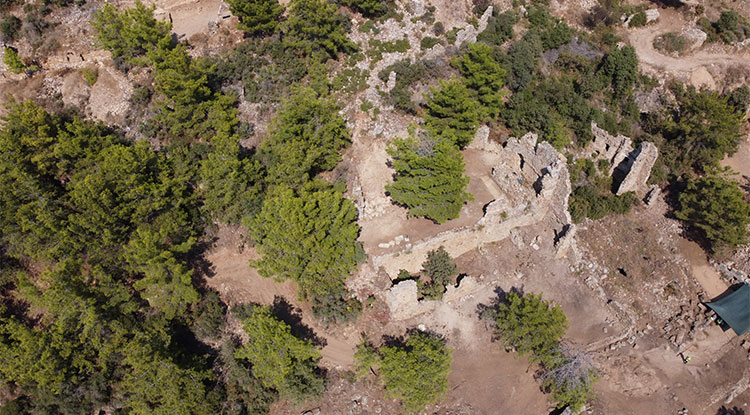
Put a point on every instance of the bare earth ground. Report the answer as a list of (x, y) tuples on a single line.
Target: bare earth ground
[(740, 161), (698, 68), (664, 272)]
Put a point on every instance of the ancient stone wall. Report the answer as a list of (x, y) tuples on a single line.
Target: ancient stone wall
[(629, 168), (535, 184)]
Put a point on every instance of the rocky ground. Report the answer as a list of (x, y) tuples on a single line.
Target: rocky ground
[(631, 285)]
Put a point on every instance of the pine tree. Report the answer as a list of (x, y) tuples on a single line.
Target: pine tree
[(231, 184), (705, 129), (305, 139), (257, 16), (429, 176), (132, 33), (530, 324), (482, 75), (716, 206), (280, 360), (315, 29), (415, 372), (308, 236), (187, 106), (452, 106)]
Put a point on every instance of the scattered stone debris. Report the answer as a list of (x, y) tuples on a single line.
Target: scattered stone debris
[(565, 240), (404, 303)]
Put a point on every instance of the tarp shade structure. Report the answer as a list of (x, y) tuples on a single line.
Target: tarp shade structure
[(734, 309)]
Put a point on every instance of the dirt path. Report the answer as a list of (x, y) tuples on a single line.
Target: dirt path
[(703, 272), (691, 66)]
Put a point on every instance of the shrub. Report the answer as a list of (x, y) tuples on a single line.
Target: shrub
[(441, 270), (428, 42), (588, 201), (523, 57), (13, 61), (638, 20), (440, 267), (620, 69), (416, 372), (336, 307), (438, 29), (429, 177), (9, 28), (529, 324), (368, 8), (407, 74), (732, 27), (716, 207), (90, 75), (499, 27), (670, 42)]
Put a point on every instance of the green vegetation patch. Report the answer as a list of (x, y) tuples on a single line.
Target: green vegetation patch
[(415, 371), (429, 176), (670, 43)]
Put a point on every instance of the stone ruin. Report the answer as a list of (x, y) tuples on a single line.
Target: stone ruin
[(533, 182), (630, 168)]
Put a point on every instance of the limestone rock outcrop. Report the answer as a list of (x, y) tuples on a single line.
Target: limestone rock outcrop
[(638, 166), (629, 168)]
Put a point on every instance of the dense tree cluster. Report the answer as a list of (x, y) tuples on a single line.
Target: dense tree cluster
[(415, 371), (114, 221), (716, 206), (305, 139)]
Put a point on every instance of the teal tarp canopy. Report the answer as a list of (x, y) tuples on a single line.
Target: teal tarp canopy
[(734, 309)]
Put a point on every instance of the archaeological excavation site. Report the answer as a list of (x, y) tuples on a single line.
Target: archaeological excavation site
[(352, 207)]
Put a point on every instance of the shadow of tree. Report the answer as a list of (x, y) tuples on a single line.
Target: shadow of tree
[(733, 411), (291, 315)]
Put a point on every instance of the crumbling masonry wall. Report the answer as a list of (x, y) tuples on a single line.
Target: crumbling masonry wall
[(535, 184)]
